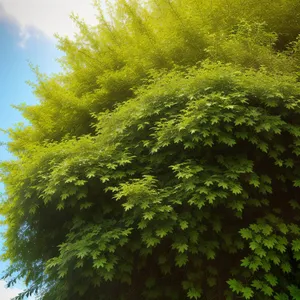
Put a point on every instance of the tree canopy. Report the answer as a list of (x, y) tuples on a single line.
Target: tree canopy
[(163, 161)]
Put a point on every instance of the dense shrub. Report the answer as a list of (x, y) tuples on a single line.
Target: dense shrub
[(163, 163)]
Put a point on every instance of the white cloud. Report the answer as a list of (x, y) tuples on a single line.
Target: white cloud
[(7, 293), (49, 16)]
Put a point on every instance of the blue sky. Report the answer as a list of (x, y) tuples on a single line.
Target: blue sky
[(14, 71), (26, 35)]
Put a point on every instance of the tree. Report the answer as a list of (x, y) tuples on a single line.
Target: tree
[(163, 163)]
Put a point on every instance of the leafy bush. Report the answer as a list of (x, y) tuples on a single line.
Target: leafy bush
[(164, 162)]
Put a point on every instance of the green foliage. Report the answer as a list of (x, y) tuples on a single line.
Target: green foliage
[(163, 163)]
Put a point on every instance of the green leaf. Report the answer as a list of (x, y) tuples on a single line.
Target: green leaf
[(247, 293), (194, 293), (181, 259)]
